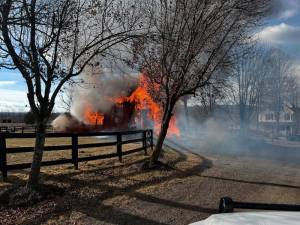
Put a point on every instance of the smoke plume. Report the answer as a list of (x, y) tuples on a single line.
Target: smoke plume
[(98, 91)]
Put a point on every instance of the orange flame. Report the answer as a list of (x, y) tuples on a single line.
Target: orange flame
[(143, 101), (93, 118)]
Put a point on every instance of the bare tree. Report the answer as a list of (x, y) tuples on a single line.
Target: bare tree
[(191, 42), (50, 42), (296, 119), (186, 113), (215, 92), (67, 97), (293, 101), (277, 89), (249, 80)]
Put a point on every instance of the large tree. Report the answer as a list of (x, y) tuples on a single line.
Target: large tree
[(293, 100), (191, 42), (50, 42), (249, 80), (277, 86)]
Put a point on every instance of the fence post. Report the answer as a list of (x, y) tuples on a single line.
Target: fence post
[(145, 141), (3, 163), (119, 146), (75, 151), (151, 140)]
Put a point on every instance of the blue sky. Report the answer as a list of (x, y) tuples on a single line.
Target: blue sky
[(12, 91), (282, 29)]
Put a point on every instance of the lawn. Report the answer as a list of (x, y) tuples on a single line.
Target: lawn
[(95, 187), (62, 154)]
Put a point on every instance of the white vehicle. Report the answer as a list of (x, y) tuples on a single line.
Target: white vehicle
[(227, 217), (253, 218)]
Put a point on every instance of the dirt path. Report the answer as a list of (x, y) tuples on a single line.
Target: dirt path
[(193, 198)]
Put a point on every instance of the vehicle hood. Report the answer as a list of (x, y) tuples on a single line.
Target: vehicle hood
[(252, 218)]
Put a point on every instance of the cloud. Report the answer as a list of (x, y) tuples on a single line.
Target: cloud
[(7, 82), (288, 13), (16, 101), (13, 100), (285, 9), (281, 34)]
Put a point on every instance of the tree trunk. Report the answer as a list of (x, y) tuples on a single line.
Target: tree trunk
[(186, 114), (277, 118), (34, 175), (257, 121), (257, 114), (296, 120), (162, 135), (243, 123)]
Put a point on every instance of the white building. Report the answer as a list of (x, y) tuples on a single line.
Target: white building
[(268, 121)]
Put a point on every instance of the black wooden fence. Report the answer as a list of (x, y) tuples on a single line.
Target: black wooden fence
[(23, 129), (146, 140)]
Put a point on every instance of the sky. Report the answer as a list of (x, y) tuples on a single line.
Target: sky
[(12, 91), (282, 29)]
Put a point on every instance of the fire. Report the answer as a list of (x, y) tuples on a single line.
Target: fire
[(143, 101), (93, 118)]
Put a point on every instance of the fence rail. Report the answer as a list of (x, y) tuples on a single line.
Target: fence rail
[(146, 140), (23, 129)]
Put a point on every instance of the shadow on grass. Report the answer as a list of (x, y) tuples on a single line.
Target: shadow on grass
[(108, 186), (109, 183), (62, 177), (253, 182)]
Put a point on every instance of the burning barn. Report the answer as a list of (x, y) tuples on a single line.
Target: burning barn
[(119, 116), (114, 104)]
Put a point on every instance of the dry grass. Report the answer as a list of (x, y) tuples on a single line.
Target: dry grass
[(64, 154), (110, 192), (97, 185)]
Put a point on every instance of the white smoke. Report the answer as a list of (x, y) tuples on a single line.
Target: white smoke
[(98, 91), (65, 122)]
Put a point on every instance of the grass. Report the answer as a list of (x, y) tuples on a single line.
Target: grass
[(53, 155), (95, 188), (17, 158), (109, 192)]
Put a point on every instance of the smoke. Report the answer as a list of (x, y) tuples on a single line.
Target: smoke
[(204, 134), (209, 132), (98, 90), (65, 122), (218, 133)]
